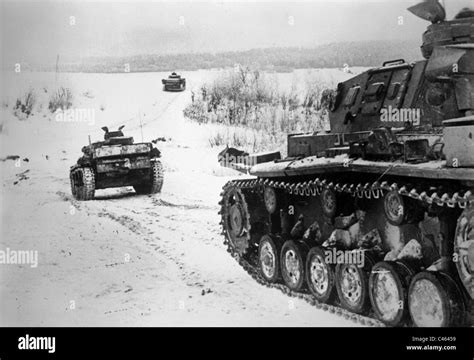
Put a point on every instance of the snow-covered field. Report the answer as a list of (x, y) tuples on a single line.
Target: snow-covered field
[(123, 259)]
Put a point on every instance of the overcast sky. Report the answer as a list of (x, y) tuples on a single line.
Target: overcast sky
[(39, 30)]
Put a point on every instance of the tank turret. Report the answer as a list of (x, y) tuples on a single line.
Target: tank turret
[(460, 30), (116, 137), (419, 95)]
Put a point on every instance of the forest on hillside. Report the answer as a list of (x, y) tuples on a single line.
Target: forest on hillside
[(334, 55)]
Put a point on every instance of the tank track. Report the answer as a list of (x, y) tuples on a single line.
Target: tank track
[(367, 190), (314, 188)]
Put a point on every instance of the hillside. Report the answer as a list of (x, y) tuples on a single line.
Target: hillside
[(335, 55)]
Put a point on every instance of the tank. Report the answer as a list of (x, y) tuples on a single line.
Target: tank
[(374, 219), (115, 162), (174, 82)]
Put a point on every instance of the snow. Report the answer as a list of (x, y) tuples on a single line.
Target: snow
[(123, 259)]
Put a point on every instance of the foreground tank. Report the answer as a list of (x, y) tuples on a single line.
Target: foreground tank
[(116, 162), (174, 82), (375, 219)]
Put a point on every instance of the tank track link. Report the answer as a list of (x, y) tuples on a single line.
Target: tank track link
[(314, 188)]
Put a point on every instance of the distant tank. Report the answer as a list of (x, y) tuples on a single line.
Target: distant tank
[(375, 218), (174, 82), (115, 162)]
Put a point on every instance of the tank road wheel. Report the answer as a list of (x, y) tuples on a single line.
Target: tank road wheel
[(464, 248), (269, 258), (270, 199), (155, 182), (236, 219), (320, 276), (293, 260), (83, 183), (434, 300), (328, 203), (394, 207), (352, 284), (388, 285)]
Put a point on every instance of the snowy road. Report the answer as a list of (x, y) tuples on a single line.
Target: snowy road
[(123, 259)]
